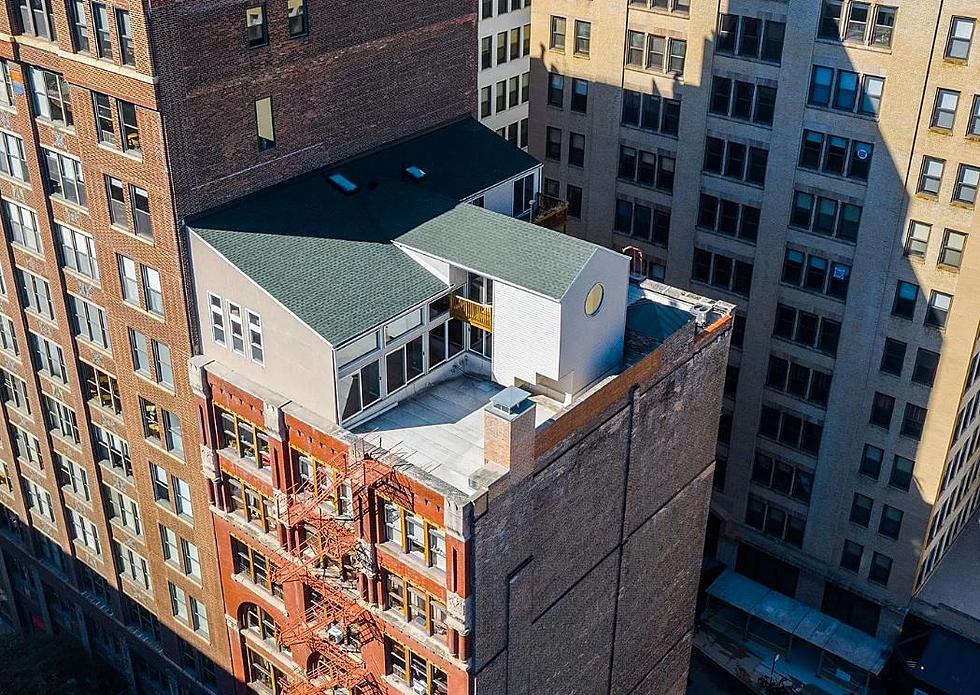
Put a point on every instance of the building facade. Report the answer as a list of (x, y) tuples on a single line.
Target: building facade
[(504, 69), (440, 465), (118, 119), (815, 164)]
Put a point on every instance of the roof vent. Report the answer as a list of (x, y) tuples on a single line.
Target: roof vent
[(415, 173), (342, 183), (509, 400)]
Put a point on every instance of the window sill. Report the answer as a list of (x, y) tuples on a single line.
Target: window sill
[(134, 155), (71, 205), (80, 277), (55, 125), (16, 181), (850, 43)]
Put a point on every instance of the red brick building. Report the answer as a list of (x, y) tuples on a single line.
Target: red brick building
[(118, 119), (438, 464)]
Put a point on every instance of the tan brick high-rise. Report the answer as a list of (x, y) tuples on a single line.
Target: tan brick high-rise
[(817, 164), (118, 120)]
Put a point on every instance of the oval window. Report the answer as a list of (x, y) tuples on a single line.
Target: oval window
[(593, 300)]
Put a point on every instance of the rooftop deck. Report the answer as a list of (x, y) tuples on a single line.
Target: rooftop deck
[(440, 430)]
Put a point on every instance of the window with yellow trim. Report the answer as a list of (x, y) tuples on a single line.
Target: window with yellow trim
[(415, 605), (250, 504), (412, 669), (264, 673), (413, 534), (250, 563), (243, 437), (318, 476)]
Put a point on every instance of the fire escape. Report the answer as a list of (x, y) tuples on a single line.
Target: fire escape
[(327, 625)]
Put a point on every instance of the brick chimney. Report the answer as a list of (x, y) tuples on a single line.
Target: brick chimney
[(508, 432)]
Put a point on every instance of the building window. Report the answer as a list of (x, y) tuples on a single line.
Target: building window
[(486, 53), (60, 420), (576, 149), (861, 507), (749, 37), (414, 535), (250, 504), (944, 110), (110, 449), (254, 566), (966, 185), (72, 478), (78, 252), (960, 38), (132, 565), (931, 176), (51, 97), (255, 26), (101, 389), (8, 336), (951, 254), (580, 95), (35, 294), (129, 127), (485, 103), (22, 227), (735, 160), (890, 523), (871, 459), (973, 128), (125, 31), (79, 26), (557, 34), (12, 160), (583, 37), (263, 672), (906, 296), (140, 203), (162, 427), (65, 179), (48, 358), (938, 309), (573, 195), (124, 510), (83, 531), (917, 240), (241, 436), (103, 37), (552, 147), (850, 558), (816, 274), (14, 392), (89, 322), (298, 19), (408, 667), (893, 357), (37, 19), (825, 216), (880, 570), (901, 475), (882, 407), (913, 420), (152, 290), (264, 123)]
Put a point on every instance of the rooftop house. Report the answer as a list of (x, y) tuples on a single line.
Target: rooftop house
[(441, 429)]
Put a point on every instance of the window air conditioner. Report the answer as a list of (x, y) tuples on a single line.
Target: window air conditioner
[(335, 634)]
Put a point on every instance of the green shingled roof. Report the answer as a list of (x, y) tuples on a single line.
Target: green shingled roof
[(519, 253), (334, 259)]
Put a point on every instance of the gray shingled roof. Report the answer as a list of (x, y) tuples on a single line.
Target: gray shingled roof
[(334, 259)]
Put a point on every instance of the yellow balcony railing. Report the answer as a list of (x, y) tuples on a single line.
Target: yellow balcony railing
[(474, 313)]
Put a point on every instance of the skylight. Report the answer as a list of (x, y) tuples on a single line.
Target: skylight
[(415, 172), (344, 184)]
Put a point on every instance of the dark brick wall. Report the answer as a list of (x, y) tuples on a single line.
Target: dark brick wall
[(367, 74), (578, 590)]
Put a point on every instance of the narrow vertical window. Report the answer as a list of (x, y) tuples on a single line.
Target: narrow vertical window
[(298, 23), (264, 123), (255, 26), (128, 127), (103, 37), (105, 125), (125, 31)]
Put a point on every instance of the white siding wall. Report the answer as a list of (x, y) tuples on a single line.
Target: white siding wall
[(591, 345), (525, 335), (298, 361), (500, 198)]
